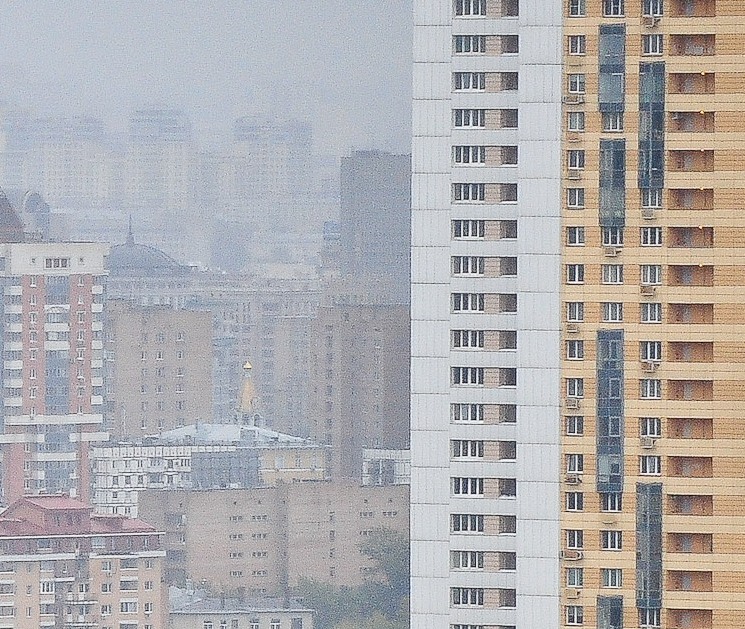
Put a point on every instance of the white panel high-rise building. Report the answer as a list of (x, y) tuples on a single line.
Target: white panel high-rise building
[(485, 314)]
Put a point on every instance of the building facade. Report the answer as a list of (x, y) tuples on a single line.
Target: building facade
[(263, 541), (159, 368), (63, 567), (485, 314), (222, 613), (652, 303), (52, 365)]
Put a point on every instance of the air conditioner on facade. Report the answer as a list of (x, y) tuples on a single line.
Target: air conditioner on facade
[(611, 252), (650, 21), (647, 290), (647, 442), (572, 402), (574, 173), (573, 479), (572, 328), (649, 365), (569, 554), (648, 214), (571, 593)]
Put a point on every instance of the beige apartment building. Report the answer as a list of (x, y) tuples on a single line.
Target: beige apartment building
[(263, 541), (64, 567), (654, 251), (159, 368)]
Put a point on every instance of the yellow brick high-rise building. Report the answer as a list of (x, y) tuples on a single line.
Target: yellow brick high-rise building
[(653, 302)]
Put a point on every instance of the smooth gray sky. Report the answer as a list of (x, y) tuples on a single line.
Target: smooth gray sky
[(342, 64)]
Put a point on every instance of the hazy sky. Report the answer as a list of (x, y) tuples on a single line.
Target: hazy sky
[(342, 64)]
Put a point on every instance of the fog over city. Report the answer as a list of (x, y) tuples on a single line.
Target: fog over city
[(204, 269), (342, 65)]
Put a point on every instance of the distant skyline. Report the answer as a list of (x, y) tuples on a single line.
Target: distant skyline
[(343, 65)]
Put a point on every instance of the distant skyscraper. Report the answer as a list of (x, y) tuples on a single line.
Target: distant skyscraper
[(375, 220)]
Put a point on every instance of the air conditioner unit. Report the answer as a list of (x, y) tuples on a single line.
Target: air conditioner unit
[(649, 365), (569, 554), (611, 252), (573, 479), (572, 402), (574, 173), (648, 213), (573, 99), (647, 442), (650, 21), (573, 136), (609, 521), (571, 593), (647, 290), (572, 328), (675, 115)]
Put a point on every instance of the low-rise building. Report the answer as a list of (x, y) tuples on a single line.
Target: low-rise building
[(265, 541), (204, 456), (199, 612), (63, 566)]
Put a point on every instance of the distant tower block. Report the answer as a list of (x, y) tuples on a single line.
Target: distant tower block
[(248, 402)]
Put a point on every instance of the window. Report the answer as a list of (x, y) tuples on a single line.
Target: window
[(611, 540), (576, 121), (469, 44), (651, 236), (651, 389), (650, 465), (469, 154), (650, 427), (468, 596), (651, 198), (577, 45), (575, 273), (649, 618), (650, 350), (577, 8), (612, 273), (612, 312), (612, 122), (612, 236), (652, 8), (575, 501), (575, 198), (575, 159), (651, 312), (467, 229), (575, 350), (611, 577), (576, 83), (613, 8), (575, 236), (468, 338), (469, 81), (469, 192), (575, 311), (468, 302), (465, 8), (575, 387), (467, 559), (467, 486), (575, 614), (467, 448), (207, 624), (575, 577), (465, 376), (575, 539), (575, 463), (468, 265), (128, 607), (651, 274), (575, 425), (652, 44), (467, 523), (106, 588), (469, 117), (467, 412), (611, 502)]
